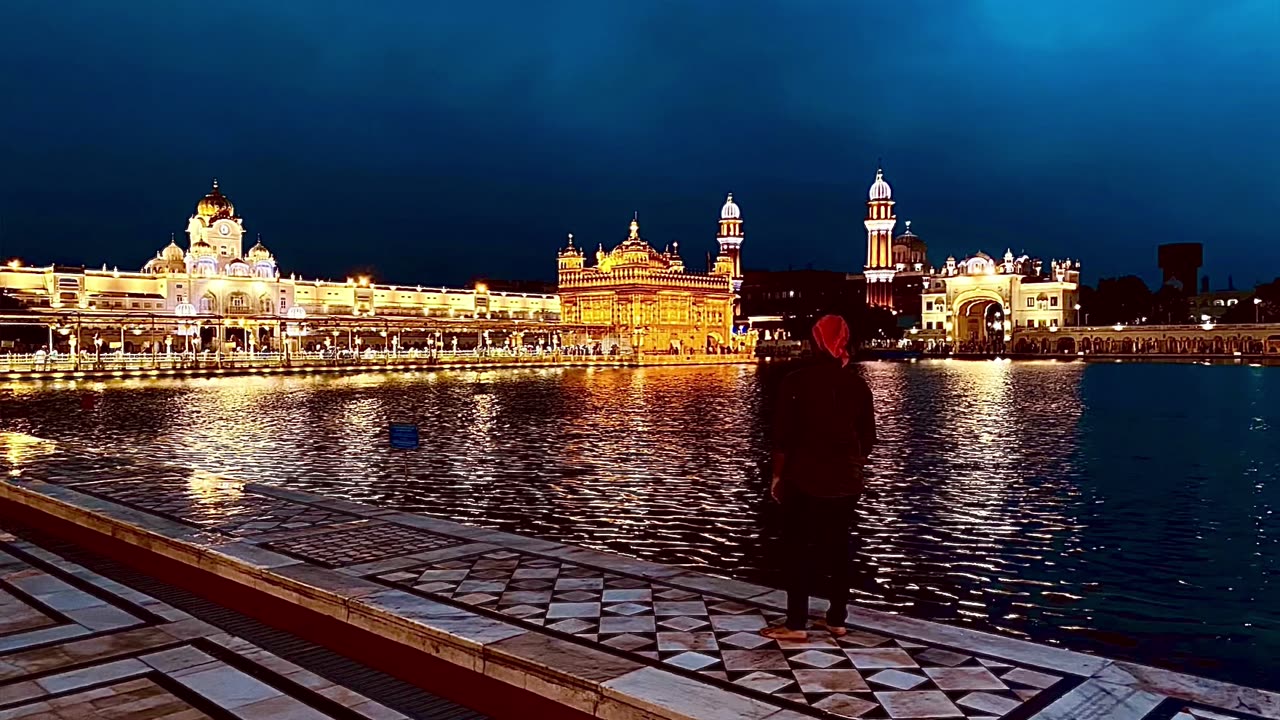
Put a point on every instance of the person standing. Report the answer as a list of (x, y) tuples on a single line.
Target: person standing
[(823, 432)]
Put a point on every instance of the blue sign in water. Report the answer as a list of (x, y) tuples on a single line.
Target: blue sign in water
[(404, 436)]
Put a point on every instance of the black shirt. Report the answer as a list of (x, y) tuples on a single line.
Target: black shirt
[(825, 428)]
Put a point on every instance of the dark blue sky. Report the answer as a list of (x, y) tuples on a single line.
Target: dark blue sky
[(438, 141)]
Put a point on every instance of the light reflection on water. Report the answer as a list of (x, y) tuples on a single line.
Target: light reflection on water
[(1120, 508)]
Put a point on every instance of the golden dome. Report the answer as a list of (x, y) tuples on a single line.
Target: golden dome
[(172, 252), (215, 205), (259, 251), (200, 248)]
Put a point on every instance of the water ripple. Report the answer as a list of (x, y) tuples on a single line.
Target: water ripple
[(1127, 509)]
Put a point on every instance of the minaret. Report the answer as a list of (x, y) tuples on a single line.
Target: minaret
[(879, 223), (730, 238)]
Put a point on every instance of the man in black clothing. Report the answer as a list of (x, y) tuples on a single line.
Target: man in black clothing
[(824, 431)]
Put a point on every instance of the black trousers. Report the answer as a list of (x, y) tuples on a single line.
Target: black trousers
[(815, 534)]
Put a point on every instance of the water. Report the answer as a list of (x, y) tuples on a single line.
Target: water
[(1126, 509)]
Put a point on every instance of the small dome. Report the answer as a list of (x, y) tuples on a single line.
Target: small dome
[(171, 252), (730, 210), (259, 251), (200, 248), (215, 205), (880, 189)]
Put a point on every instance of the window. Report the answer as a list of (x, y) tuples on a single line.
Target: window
[(928, 307), (1053, 322), (1053, 301), (1031, 302)]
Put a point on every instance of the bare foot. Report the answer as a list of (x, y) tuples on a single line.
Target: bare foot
[(835, 630)]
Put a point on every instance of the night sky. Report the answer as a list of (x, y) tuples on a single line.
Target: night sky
[(440, 141)]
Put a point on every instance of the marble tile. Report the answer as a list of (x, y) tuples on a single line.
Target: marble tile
[(92, 675), (764, 682), (1186, 687), (824, 681), (573, 610), (688, 607), (620, 596), (867, 658), (549, 654), (897, 679), (816, 658), (988, 703), (964, 678), (18, 641), (1096, 700), (845, 706), (686, 641), (227, 687), (691, 660), (754, 660), (918, 704), (102, 617), (1032, 678), (666, 694), (627, 624), (170, 661), (279, 708)]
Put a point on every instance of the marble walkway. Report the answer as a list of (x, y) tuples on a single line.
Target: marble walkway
[(607, 635), (75, 645)]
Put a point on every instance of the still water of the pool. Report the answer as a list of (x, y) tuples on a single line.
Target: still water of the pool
[(1126, 509)]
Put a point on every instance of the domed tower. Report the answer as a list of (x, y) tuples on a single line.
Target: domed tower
[(216, 223), (910, 252), (880, 221), (261, 260), (168, 260), (570, 257), (730, 239)]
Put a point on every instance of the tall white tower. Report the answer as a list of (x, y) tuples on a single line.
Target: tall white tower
[(730, 238), (880, 222)]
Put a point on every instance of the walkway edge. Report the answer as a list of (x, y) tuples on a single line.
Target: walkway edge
[(604, 686)]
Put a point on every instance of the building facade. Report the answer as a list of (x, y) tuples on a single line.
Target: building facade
[(636, 298), (981, 302), (215, 277)]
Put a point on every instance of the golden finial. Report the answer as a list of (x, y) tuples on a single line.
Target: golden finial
[(215, 183), (635, 227)]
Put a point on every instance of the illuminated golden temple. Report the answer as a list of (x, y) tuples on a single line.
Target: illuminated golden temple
[(647, 299)]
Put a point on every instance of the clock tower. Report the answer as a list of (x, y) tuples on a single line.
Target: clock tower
[(216, 223)]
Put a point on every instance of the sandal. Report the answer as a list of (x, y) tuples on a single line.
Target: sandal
[(782, 632)]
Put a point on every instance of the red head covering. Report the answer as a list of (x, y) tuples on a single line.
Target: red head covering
[(831, 333)]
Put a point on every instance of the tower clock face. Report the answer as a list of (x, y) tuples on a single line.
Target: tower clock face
[(225, 229)]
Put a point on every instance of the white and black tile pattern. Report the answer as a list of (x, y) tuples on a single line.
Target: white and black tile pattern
[(863, 675), (361, 544)]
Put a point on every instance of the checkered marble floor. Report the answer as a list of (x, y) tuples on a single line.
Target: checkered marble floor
[(218, 505), (862, 675), (88, 648), (362, 544)]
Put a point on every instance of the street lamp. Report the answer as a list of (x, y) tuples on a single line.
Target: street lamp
[(1257, 310), (1077, 314)]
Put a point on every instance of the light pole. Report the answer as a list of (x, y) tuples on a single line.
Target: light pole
[(1257, 310), (1077, 314)]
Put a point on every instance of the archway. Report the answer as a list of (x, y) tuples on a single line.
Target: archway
[(979, 324), (1066, 345)]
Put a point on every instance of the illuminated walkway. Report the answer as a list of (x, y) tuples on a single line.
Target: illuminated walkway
[(519, 627), (77, 644)]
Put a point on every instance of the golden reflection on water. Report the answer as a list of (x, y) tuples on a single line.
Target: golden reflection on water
[(1030, 498)]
